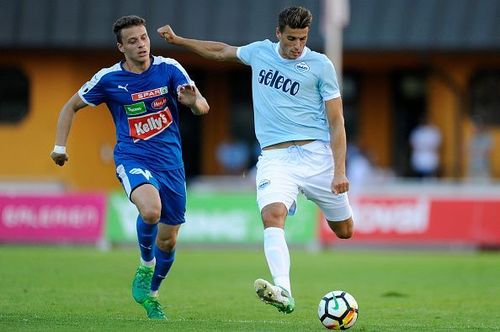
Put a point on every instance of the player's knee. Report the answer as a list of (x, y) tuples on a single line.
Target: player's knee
[(166, 244), (274, 215), (151, 214), (342, 229), (344, 234)]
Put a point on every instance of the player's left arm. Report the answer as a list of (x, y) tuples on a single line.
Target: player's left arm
[(338, 142), (189, 95)]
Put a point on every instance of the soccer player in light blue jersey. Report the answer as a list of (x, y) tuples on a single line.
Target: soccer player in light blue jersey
[(141, 93), (299, 124)]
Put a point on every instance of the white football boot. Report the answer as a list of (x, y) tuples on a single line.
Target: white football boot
[(275, 296)]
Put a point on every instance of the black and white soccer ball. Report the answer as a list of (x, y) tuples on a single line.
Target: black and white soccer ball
[(338, 310)]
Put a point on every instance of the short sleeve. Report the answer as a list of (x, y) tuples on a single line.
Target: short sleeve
[(246, 53), (329, 85), (178, 75), (92, 92)]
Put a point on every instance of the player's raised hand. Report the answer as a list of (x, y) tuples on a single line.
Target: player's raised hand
[(59, 158), (186, 94), (167, 33), (340, 184)]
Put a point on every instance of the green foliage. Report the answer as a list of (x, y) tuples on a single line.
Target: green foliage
[(67, 289)]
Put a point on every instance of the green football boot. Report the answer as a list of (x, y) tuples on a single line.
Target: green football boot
[(275, 296), (153, 308), (142, 283)]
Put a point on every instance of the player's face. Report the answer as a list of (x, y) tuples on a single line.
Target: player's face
[(135, 43), (292, 41)]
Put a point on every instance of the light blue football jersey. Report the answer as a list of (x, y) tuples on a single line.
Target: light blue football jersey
[(289, 95)]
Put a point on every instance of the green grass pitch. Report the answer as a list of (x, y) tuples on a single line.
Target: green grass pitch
[(66, 289)]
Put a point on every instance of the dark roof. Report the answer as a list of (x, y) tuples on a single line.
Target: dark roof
[(375, 25)]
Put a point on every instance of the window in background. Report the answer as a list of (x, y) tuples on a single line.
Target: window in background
[(14, 95), (350, 102), (409, 101), (485, 96), (241, 127)]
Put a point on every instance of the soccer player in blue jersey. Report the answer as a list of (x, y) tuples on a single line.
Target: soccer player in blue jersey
[(299, 124), (141, 93)]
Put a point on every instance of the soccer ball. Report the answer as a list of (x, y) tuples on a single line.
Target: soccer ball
[(338, 310)]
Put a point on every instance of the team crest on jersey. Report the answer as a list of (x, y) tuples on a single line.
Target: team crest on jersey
[(149, 125), (302, 66), (159, 103), (150, 93)]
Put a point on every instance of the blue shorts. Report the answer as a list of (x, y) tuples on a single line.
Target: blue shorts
[(171, 186)]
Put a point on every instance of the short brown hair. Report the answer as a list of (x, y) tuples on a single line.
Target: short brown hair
[(295, 18), (126, 22)]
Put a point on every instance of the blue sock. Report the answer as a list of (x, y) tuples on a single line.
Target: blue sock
[(146, 235), (164, 261)]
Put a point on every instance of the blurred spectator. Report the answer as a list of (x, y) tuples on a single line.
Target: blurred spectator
[(479, 152), (425, 141), (360, 170), (233, 155)]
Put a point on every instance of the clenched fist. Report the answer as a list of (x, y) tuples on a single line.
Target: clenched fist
[(59, 158), (167, 33)]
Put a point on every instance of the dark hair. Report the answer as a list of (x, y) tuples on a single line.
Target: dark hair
[(126, 22), (295, 18)]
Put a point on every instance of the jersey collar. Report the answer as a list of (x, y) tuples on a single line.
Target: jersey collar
[(277, 50)]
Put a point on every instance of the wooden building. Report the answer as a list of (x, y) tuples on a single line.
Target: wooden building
[(402, 59)]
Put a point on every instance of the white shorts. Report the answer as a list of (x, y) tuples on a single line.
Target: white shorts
[(283, 173)]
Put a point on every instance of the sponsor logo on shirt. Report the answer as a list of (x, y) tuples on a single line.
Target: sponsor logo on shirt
[(150, 93), (149, 125), (159, 103), (135, 109), (276, 80), (124, 87)]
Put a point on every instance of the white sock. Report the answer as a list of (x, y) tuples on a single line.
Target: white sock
[(151, 263), (278, 257)]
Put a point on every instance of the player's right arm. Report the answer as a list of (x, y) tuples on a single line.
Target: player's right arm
[(75, 103), (208, 49)]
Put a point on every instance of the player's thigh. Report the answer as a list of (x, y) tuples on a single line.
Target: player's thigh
[(147, 199), (142, 188), (276, 183), (335, 207)]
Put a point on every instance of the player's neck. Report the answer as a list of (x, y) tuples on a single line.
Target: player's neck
[(136, 67)]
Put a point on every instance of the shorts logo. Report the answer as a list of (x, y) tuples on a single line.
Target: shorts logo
[(146, 126), (263, 183), (146, 173), (135, 109), (159, 103), (150, 93), (302, 67)]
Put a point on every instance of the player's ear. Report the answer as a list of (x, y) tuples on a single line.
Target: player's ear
[(278, 33), (120, 47)]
